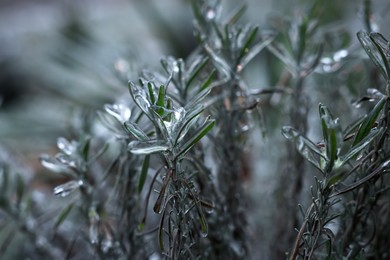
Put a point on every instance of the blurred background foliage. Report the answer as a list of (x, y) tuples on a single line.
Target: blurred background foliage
[(58, 60)]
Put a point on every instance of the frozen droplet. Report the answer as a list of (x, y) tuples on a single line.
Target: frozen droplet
[(208, 207), (119, 111), (67, 188), (289, 132), (203, 233), (175, 67), (66, 146), (51, 164), (66, 160), (374, 93)]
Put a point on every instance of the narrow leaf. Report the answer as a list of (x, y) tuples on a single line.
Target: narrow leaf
[(63, 215), (161, 195), (245, 47), (207, 126), (197, 70), (136, 131), (198, 98), (373, 52), (161, 96), (365, 179), (209, 80), (254, 50), (304, 146), (189, 121), (356, 149), (237, 14), (381, 44), (85, 150), (144, 173), (369, 121), (19, 189), (151, 93)]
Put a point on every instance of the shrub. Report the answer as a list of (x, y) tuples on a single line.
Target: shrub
[(163, 172)]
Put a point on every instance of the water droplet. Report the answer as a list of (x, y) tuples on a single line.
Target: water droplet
[(66, 160), (203, 233), (66, 146), (374, 93), (67, 188), (289, 132), (51, 164), (119, 111)]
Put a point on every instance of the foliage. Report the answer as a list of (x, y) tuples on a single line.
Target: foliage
[(162, 171)]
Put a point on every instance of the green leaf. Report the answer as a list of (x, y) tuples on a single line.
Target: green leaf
[(202, 131), (219, 62), (4, 182), (369, 121), (334, 179), (151, 92), (63, 215), (197, 203), (160, 199), (136, 131), (254, 50), (144, 173), (329, 128), (382, 46), (85, 150), (245, 47), (384, 166), (356, 149), (304, 146), (160, 125), (161, 227), (98, 153), (161, 101), (302, 40), (193, 74), (237, 14), (188, 122), (19, 189), (209, 80), (161, 96), (374, 52), (197, 99)]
